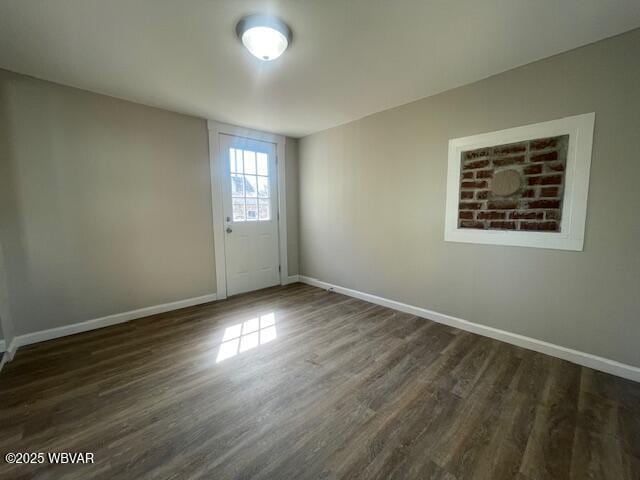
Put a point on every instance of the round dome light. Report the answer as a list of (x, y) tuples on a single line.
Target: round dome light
[(265, 37)]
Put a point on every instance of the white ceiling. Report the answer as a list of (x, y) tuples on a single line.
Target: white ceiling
[(348, 59)]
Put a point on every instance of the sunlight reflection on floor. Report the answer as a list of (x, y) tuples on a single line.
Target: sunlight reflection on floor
[(247, 335)]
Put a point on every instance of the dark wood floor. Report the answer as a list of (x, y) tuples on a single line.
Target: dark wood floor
[(346, 389)]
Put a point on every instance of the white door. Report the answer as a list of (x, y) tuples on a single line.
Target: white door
[(251, 214)]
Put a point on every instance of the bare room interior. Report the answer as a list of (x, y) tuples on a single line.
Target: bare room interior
[(320, 239)]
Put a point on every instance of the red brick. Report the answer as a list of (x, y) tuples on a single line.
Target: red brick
[(491, 215), (543, 143), (465, 215), (513, 148), (471, 224), (544, 204), (502, 162), (470, 205), (529, 193), (552, 214), (555, 167), (484, 174), (526, 215), (545, 180), (476, 164), (503, 225), (545, 157), (477, 184), (533, 169), (551, 180), (466, 195), (549, 191), (539, 226), (481, 152), (502, 205), (467, 175), (482, 194)]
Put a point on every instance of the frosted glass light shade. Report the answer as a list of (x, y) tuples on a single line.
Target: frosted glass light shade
[(265, 37), (265, 42)]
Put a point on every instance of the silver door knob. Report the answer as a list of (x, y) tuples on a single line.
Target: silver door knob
[(229, 230)]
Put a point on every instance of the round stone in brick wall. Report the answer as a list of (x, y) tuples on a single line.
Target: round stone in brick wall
[(506, 182)]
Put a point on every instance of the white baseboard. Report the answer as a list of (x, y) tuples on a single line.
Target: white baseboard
[(7, 352), (101, 322), (575, 356), (11, 349), (291, 279)]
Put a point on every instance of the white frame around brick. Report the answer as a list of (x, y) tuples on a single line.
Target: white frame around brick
[(576, 187)]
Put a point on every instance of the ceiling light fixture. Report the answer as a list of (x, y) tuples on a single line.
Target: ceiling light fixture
[(264, 36)]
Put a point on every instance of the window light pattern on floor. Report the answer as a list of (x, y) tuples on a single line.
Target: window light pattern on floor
[(247, 335)]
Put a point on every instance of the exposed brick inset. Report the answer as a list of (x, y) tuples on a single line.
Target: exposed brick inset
[(555, 167), (544, 204), (492, 215), (477, 153), (535, 206), (526, 215), (532, 169), (539, 226), (476, 164), (549, 191), (512, 148), (476, 184), (545, 157), (470, 205), (502, 204), (546, 180), (503, 225), (503, 162), (471, 224), (543, 143)]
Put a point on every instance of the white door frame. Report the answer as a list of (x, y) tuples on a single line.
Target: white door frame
[(217, 177)]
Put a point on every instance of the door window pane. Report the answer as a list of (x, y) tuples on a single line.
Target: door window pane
[(252, 209), (239, 214), (237, 185), (250, 186), (249, 182), (263, 164), (264, 210), (249, 162), (263, 187), (235, 160)]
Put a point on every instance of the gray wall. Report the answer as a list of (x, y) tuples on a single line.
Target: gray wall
[(291, 179), (372, 200), (6, 323), (106, 204)]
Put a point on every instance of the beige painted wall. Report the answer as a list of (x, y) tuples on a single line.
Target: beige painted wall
[(291, 180), (6, 323), (372, 204), (106, 204)]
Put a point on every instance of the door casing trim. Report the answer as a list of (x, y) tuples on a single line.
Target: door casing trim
[(217, 209)]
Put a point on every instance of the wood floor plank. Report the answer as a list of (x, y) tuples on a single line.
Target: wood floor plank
[(344, 389)]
